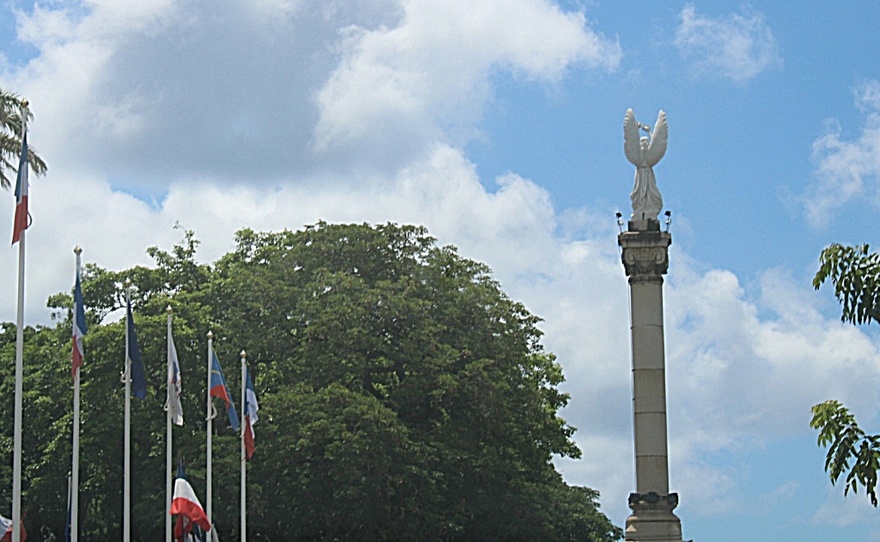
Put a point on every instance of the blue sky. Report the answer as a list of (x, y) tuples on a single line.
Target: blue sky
[(498, 125)]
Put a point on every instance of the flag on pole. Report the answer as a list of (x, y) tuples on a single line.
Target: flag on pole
[(220, 390), (186, 506), (185, 530), (79, 326), (138, 380), (21, 221), (6, 529), (175, 409), (250, 415)]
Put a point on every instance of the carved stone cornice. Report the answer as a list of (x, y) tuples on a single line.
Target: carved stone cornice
[(653, 501), (645, 252)]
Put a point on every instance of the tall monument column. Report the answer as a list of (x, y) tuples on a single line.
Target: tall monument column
[(645, 254)]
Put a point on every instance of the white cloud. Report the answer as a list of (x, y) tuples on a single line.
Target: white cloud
[(846, 169), (337, 86), (427, 76), (737, 47)]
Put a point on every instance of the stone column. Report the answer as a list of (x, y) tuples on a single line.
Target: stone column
[(646, 259)]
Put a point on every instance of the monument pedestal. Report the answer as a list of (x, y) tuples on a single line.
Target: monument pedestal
[(645, 256), (652, 518)]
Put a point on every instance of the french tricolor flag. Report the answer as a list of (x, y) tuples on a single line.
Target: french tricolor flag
[(250, 415), (6, 529), (185, 504), (21, 194), (79, 326)]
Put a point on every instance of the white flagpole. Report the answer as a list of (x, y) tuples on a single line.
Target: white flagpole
[(19, 371), (209, 417), (243, 537), (69, 522), (168, 489), (74, 475), (126, 485)]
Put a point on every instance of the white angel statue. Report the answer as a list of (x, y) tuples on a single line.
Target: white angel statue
[(644, 153)]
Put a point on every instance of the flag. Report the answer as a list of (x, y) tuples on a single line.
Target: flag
[(186, 506), (79, 326), (175, 409), (221, 390), (185, 530), (250, 415), (21, 221), (6, 529), (138, 380)]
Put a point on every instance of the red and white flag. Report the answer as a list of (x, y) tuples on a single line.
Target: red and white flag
[(22, 219), (186, 505), (79, 325), (250, 415), (6, 529)]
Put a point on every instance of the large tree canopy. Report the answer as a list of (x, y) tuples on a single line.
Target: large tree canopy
[(403, 395), (855, 273)]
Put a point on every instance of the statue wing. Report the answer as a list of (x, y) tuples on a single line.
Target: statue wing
[(631, 138), (659, 137)]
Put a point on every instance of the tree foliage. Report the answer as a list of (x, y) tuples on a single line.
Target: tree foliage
[(403, 395), (855, 273), (847, 442)]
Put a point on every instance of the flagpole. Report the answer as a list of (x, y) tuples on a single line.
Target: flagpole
[(19, 370), (209, 417), (68, 531), (243, 426), (74, 475), (126, 485), (168, 489)]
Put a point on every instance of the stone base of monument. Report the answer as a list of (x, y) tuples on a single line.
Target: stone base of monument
[(652, 518)]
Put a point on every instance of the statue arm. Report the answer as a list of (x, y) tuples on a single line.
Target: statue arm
[(659, 137), (631, 138)]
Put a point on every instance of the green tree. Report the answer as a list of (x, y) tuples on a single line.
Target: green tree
[(10, 139), (855, 273), (403, 395)]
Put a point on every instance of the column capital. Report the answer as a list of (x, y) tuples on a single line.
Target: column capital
[(645, 252)]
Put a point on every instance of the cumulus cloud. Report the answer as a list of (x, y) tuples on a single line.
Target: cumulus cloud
[(278, 89), (738, 46), (846, 169), (427, 77)]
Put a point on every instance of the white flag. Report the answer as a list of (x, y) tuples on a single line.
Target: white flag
[(173, 403)]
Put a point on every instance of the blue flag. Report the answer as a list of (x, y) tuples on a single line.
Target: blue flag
[(138, 380), (221, 390)]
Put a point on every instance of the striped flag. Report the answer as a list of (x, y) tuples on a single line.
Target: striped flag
[(21, 221), (79, 326), (187, 507), (250, 415), (6, 529), (220, 390)]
